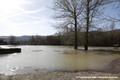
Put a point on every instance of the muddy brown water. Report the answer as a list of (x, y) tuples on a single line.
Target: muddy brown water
[(54, 58)]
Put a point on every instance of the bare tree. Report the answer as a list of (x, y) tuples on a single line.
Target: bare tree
[(92, 9), (69, 11), (12, 40)]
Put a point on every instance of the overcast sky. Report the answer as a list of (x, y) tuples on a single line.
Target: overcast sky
[(26, 17)]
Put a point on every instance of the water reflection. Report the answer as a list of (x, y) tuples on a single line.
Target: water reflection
[(52, 58)]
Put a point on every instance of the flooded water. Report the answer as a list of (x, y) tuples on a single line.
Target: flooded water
[(54, 58)]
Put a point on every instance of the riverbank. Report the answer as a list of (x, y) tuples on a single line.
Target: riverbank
[(106, 49), (63, 76)]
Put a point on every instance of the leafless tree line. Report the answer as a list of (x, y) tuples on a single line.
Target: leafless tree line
[(102, 37)]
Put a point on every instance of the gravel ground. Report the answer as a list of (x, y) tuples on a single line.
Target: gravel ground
[(61, 76)]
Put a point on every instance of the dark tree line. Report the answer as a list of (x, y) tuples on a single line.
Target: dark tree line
[(2, 42), (96, 38)]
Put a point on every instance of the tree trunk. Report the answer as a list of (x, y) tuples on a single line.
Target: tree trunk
[(87, 26), (76, 36)]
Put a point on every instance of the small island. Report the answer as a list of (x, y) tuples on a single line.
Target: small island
[(9, 50)]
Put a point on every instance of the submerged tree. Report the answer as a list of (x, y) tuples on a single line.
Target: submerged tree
[(69, 11), (92, 9), (72, 12)]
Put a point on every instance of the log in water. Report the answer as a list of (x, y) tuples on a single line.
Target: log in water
[(9, 50)]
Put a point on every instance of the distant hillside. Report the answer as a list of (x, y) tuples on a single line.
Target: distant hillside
[(23, 38)]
